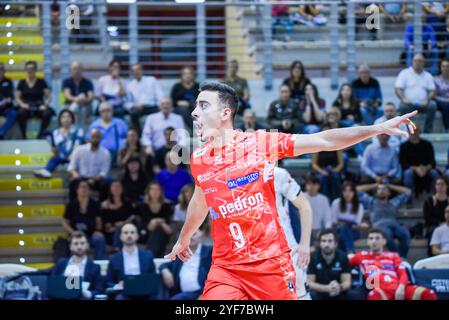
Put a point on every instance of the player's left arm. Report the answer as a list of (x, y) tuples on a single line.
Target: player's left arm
[(305, 216), (337, 139)]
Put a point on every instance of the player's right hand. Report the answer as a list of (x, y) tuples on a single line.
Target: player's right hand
[(180, 250)]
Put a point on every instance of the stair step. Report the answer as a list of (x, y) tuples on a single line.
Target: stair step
[(27, 223), (19, 21), (33, 197), (21, 75), (30, 184), (36, 240), (41, 266), (10, 147), (22, 40), (21, 58), (32, 212), (25, 252), (36, 159), (42, 261), (18, 229)]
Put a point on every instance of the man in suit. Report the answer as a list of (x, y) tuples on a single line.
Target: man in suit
[(129, 261), (79, 265), (185, 280)]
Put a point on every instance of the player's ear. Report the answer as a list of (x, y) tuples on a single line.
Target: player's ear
[(226, 113)]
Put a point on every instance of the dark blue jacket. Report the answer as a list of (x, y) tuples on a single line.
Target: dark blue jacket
[(92, 274), (175, 268), (116, 267)]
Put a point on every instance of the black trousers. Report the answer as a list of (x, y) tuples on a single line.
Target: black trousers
[(25, 114)]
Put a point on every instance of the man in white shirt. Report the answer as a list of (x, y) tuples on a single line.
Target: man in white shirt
[(287, 190), (416, 89), (440, 236), (143, 95)]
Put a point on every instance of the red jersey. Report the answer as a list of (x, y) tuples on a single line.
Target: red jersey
[(385, 268), (238, 182)]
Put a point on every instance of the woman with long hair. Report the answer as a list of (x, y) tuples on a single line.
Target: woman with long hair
[(134, 181), (349, 106), (313, 109), (179, 215), (297, 81)]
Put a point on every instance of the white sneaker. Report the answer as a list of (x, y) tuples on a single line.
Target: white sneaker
[(42, 173)]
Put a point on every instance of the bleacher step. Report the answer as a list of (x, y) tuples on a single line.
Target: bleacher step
[(35, 240)]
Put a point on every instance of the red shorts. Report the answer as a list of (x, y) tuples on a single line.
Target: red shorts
[(270, 279)]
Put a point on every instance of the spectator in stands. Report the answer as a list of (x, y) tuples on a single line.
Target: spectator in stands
[(184, 94), (440, 236), (383, 212), (33, 98), (368, 93), (417, 159), (63, 141), (434, 206), (143, 95), (179, 215), (240, 85), (347, 212), (280, 16), (436, 12), (116, 211), (429, 43), (153, 136), (380, 163), (328, 165), (393, 12), (313, 109), (185, 280), (78, 91), (113, 130), (90, 162), (129, 261), (297, 81), (173, 178), (415, 88), (390, 113), (329, 272), (132, 149), (442, 91), (79, 265), (161, 152), (332, 119), (82, 213), (349, 106), (322, 216), (283, 113), (443, 42), (156, 214), (250, 123), (7, 108), (310, 14), (134, 181), (111, 89)]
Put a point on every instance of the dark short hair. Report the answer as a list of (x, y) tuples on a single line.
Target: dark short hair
[(443, 60), (378, 231), (326, 232), (111, 63), (226, 94), (77, 235), (312, 178), (71, 114), (31, 62), (169, 129)]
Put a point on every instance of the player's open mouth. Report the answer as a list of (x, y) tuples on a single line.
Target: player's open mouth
[(199, 128)]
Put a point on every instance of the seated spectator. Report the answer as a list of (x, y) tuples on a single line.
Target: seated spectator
[(179, 215), (7, 108), (434, 206), (132, 149), (82, 213), (250, 123), (440, 236), (185, 280), (415, 88), (63, 141), (313, 109), (173, 178), (390, 113), (116, 211), (328, 165), (390, 280), (417, 159), (436, 12), (393, 12), (134, 181), (380, 163), (297, 81), (332, 119), (113, 130), (347, 212), (184, 94), (368, 93), (429, 46), (111, 89), (442, 91), (321, 210), (349, 106), (310, 14), (240, 85), (383, 212), (443, 42), (329, 272), (283, 113), (78, 91), (143, 95), (90, 162), (129, 261), (161, 152), (155, 214), (79, 265), (280, 16), (33, 98)]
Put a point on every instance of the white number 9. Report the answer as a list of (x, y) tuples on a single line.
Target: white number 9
[(237, 234)]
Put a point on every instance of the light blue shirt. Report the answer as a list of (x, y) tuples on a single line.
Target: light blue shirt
[(113, 137), (378, 160)]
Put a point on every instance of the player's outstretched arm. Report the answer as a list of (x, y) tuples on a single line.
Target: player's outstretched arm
[(197, 211), (337, 139), (305, 216)]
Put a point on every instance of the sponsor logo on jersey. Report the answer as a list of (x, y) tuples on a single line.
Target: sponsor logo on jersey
[(199, 152), (241, 181), (213, 215), (240, 166), (205, 176), (241, 204), (218, 160), (210, 190)]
